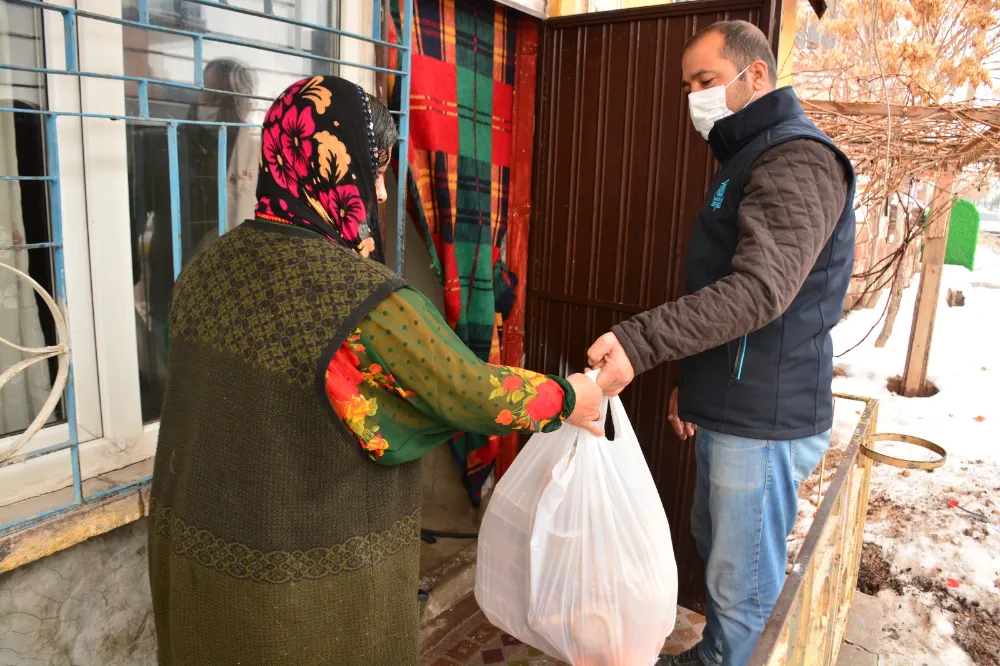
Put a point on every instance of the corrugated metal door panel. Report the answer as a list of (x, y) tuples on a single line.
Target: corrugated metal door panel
[(619, 176)]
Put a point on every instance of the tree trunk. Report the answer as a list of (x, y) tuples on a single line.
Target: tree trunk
[(873, 281), (899, 283), (914, 261)]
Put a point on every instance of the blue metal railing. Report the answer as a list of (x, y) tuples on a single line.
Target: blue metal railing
[(52, 177), (404, 133)]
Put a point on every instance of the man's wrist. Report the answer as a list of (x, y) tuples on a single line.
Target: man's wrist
[(629, 347)]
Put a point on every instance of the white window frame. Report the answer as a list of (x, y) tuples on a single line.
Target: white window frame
[(98, 252), (53, 471)]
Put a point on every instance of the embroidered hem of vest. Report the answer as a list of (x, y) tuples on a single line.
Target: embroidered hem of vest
[(242, 562)]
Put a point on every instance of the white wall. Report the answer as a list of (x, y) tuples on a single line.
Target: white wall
[(88, 606)]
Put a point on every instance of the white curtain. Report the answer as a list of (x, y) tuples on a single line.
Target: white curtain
[(22, 397)]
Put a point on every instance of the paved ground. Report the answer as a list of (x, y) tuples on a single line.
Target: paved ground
[(463, 637)]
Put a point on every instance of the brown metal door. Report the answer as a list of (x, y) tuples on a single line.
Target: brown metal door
[(620, 175)]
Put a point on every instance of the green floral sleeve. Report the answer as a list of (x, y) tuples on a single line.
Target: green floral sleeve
[(404, 383)]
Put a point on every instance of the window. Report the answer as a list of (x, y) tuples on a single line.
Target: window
[(25, 320), (29, 233), (238, 83), (192, 80)]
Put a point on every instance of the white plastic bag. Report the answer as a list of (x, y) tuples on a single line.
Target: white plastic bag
[(575, 557)]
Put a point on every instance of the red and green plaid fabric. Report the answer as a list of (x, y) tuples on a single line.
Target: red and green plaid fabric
[(461, 123)]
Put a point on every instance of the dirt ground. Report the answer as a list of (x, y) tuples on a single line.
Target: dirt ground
[(976, 630), (875, 574)]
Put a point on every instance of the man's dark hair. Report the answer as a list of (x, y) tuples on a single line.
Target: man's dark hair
[(743, 43)]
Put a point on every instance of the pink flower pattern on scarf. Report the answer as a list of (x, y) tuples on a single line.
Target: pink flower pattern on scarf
[(315, 166)]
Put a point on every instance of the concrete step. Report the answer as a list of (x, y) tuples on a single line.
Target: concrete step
[(852, 655), (863, 632), (448, 584)]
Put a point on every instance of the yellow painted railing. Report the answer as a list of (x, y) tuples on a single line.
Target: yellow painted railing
[(807, 624)]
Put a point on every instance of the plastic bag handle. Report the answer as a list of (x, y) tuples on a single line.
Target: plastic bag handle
[(592, 374)]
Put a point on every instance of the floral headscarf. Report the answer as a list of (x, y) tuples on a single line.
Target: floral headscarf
[(317, 163)]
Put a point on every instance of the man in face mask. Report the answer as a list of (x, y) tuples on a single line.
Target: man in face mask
[(768, 267)]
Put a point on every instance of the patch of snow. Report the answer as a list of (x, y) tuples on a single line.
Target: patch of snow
[(922, 536), (915, 631)]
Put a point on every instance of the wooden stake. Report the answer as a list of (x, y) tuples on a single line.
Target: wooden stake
[(935, 244)]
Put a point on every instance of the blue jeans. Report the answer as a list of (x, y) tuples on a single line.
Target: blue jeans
[(745, 505)]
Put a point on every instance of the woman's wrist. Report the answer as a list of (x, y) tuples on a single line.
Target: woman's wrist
[(569, 397)]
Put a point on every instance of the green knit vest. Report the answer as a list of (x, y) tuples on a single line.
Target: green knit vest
[(273, 539)]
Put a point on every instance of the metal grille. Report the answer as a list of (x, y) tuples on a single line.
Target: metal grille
[(186, 15)]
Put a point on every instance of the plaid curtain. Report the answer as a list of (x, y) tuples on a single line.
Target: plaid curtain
[(461, 123)]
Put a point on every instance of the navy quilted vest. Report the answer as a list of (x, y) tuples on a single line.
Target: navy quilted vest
[(775, 383)]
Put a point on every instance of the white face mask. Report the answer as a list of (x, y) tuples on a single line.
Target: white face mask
[(708, 106)]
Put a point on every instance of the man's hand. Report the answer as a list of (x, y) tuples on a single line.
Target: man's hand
[(682, 428), (587, 412), (616, 370)]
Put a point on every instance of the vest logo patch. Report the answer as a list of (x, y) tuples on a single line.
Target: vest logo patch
[(719, 194)]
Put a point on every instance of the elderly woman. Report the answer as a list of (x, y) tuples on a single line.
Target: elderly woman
[(306, 380)]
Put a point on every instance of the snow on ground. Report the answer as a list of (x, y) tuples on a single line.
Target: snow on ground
[(943, 562)]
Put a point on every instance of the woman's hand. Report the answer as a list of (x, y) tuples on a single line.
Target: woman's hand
[(587, 412), (366, 247)]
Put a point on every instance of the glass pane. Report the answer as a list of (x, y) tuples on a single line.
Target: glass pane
[(238, 84), (25, 320)]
